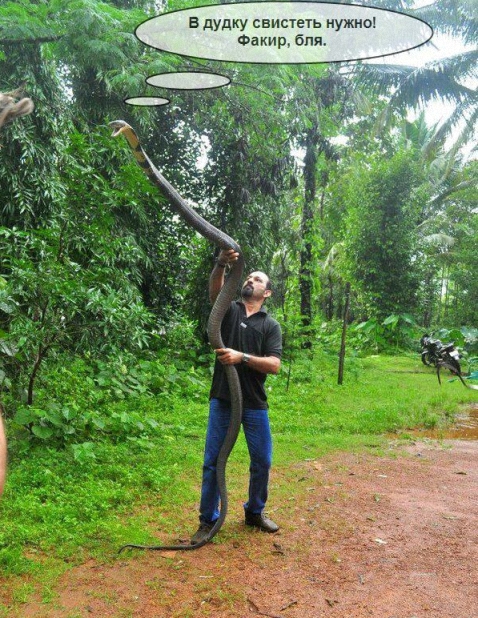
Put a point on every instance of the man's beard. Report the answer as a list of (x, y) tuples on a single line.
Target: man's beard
[(247, 291)]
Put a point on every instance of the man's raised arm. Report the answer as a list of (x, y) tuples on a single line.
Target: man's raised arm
[(216, 280)]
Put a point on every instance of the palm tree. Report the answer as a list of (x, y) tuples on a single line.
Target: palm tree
[(446, 79), (441, 228)]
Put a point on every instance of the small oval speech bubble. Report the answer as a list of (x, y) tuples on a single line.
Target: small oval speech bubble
[(284, 32), (188, 80), (146, 101)]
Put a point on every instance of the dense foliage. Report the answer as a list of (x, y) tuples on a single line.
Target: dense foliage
[(314, 169)]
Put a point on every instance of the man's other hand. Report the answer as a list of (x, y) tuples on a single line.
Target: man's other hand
[(228, 356)]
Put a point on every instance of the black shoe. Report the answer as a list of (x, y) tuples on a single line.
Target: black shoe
[(259, 520), (202, 533)]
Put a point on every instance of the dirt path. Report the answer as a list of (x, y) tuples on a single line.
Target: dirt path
[(391, 536)]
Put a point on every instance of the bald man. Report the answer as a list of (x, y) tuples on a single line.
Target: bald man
[(253, 343)]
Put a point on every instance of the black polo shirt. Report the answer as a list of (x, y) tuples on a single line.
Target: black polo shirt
[(258, 335)]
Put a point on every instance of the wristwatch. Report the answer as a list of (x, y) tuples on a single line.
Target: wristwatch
[(220, 264), (246, 358)]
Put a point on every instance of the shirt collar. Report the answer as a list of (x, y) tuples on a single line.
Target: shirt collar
[(263, 309)]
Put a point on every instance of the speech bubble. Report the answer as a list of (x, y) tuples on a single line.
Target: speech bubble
[(146, 101), (284, 32), (188, 80)]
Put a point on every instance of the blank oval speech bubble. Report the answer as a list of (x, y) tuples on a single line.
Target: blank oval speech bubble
[(188, 80), (146, 101), (284, 32)]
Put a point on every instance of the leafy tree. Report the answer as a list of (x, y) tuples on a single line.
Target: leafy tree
[(380, 239), (444, 217), (452, 257), (320, 104), (465, 288), (51, 304), (248, 170)]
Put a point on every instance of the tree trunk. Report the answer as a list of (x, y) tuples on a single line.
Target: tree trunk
[(344, 332), (307, 226), (42, 352)]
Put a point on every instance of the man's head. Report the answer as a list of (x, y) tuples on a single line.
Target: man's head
[(256, 287)]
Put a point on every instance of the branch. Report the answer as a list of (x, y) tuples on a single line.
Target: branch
[(37, 41), (42, 352)]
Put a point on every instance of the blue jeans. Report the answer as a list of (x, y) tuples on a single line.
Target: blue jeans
[(259, 442)]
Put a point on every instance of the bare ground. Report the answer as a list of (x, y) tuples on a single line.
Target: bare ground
[(390, 536)]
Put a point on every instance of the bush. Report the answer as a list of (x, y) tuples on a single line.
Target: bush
[(77, 400)]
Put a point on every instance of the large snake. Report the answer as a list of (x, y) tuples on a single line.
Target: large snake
[(220, 307)]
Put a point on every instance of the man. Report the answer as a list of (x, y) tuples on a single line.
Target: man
[(253, 343)]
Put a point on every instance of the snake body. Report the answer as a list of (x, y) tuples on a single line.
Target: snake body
[(220, 307)]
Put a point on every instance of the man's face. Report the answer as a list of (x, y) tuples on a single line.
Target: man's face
[(254, 287)]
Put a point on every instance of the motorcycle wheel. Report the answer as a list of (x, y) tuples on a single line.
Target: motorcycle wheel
[(426, 359)]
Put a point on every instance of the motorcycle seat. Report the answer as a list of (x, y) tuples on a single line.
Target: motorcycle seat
[(447, 347)]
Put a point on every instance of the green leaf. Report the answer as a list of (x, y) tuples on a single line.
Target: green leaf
[(44, 433), (25, 416), (392, 319)]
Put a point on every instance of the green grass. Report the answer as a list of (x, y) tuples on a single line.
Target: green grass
[(57, 511), (380, 395)]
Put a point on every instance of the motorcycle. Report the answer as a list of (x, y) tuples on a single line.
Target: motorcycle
[(437, 354)]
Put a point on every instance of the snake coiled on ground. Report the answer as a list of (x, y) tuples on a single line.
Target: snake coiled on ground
[(219, 309)]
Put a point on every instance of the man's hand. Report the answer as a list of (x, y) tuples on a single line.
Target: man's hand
[(264, 364), (228, 356), (227, 256), (216, 280)]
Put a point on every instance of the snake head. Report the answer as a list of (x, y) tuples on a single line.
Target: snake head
[(118, 127)]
